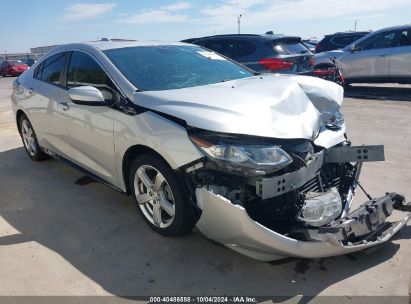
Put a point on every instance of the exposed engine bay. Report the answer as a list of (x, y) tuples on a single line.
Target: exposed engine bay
[(307, 200)]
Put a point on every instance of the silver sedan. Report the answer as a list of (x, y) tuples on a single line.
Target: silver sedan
[(381, 56), (259, 163)]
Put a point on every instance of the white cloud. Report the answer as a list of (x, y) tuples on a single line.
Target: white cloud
[(154, 16), (269, 13), (178, 6), (80, 11), (164, 14)]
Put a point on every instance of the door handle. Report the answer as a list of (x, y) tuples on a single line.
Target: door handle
[(383, 55), (64, 105)]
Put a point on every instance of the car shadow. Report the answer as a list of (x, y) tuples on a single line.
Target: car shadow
[(99, 232), (368, 91)]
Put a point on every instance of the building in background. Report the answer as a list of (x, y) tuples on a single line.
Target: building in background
[(41, 50), (35, 53)]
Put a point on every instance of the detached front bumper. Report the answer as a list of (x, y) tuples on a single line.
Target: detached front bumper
[(229, 224)]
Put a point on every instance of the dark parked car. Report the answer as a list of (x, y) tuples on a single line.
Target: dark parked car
[(263, 53), (338, 41), (29, 61), (13, 67)]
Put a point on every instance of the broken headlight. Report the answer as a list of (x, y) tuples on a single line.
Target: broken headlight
[(248, 160), (321, 208), (335, 121)]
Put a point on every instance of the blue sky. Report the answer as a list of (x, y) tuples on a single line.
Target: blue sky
[(25, 24)]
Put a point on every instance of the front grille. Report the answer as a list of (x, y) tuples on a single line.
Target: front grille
[(321, 183)]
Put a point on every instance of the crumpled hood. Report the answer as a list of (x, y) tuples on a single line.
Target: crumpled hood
[(278, 106)]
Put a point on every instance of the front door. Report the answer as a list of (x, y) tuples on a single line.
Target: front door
[(400, 65), (88, 130), (370, 58)]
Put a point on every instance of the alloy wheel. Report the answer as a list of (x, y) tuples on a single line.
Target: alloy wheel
[(154, 196), (28, 137)]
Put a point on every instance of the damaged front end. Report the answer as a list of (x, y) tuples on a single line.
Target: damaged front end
[(272, 200)]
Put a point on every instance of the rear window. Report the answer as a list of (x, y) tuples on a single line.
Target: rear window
[(287, 47)]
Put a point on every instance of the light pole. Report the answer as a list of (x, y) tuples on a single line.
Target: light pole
[(239, 22), (355, 26)]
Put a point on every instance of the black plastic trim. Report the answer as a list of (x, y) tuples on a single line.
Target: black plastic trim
[(83, 170)]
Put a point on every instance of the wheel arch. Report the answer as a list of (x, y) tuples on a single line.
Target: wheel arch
[(129, 156)]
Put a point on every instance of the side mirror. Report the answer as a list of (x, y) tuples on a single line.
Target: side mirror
[(87, 95), (353, 48)]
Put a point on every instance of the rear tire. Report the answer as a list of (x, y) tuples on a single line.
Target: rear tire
[(29, 138), (159, 196)]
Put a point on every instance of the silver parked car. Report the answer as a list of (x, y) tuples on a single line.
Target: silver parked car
[(381, 56), (260, 163)]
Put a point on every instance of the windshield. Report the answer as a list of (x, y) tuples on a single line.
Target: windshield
[(156, 68)]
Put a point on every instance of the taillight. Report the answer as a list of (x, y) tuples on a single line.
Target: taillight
[(276, 64), (324, 72)]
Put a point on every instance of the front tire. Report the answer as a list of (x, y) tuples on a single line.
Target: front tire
[(159, 197), (29, 139)]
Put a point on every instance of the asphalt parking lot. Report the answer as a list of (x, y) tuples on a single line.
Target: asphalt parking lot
[(61, 238)]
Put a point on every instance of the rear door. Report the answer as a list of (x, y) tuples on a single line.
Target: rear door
[(246, 53), (400, 64), (45, 91), (371, 57)]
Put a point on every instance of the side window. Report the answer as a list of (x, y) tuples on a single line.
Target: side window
[(245, 48), (215, 45), (85, 71), (345, 40), (38, 70), (405, 38), (342, 40), (224, 47), (51, 69), (201, 43), (378, 41)]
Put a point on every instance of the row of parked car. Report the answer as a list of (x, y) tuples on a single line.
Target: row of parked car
[(380, 56), (259, 163), (15, 67)]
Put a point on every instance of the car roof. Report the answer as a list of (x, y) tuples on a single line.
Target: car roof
[(108, 44), (391, 28), (250, 36), (397, 27), (348, 33)]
